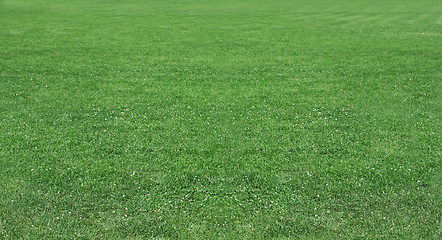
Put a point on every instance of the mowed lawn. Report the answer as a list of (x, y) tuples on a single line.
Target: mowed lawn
[(227, 119)]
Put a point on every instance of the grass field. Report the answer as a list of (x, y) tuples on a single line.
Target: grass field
[(227, 119)]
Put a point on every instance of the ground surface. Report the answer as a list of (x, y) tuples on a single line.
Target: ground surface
[(220, 119)]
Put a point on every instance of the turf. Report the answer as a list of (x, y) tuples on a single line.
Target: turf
[(227, 119)]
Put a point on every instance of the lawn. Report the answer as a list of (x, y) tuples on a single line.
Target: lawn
[(226, 119)]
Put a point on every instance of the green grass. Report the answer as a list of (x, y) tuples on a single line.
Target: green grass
[(201, 119)]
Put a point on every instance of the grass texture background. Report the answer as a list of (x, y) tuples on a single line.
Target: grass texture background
[(220, 119)]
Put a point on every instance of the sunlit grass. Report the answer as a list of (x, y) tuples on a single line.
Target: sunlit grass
[(220, 119)]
